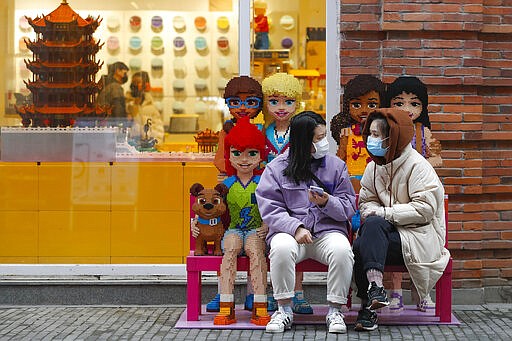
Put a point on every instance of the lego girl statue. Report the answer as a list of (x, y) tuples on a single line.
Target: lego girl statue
[(244, 149), (363, 94), (410, 94), (282, 93)]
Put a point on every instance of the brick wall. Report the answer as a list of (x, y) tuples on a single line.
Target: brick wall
[(462, 50)]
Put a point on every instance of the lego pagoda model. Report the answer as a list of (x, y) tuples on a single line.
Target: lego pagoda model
[(64, 67)]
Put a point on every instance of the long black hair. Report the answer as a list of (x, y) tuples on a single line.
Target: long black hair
[(410, 85), (302, 131)]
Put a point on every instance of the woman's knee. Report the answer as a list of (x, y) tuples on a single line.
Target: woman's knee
[(283, 248)]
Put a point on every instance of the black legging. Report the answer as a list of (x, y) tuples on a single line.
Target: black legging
[(378, 244)]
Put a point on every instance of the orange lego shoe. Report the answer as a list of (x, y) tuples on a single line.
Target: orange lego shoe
[(226, 314), (260, 316)]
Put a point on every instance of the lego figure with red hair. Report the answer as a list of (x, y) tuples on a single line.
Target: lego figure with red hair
[(244, 148)]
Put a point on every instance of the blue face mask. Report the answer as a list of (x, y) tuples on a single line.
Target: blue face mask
[(374, 146)]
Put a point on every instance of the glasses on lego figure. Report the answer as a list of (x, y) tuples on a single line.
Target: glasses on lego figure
[(249, 103)]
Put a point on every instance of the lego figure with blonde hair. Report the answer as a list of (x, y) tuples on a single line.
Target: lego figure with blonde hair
[(244, 150), (282, 94)]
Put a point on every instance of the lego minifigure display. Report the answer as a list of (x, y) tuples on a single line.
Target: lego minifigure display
[(244, 150), (260, 25)]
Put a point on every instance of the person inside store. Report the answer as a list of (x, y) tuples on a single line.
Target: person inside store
[(282, 94), (141, 108), (402, 209), (307, 200), (112, 94)]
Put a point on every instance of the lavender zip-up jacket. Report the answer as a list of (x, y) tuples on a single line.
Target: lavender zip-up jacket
[(284, 205)]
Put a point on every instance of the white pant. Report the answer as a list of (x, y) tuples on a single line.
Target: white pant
[(333, 249)]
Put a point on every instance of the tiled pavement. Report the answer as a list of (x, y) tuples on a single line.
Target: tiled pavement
[(479, 322)]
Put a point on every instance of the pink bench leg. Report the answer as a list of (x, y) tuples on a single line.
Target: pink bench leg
[(193, 295), (444, 295)]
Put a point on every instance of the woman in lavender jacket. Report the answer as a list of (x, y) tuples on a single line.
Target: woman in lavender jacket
[(307, 224)]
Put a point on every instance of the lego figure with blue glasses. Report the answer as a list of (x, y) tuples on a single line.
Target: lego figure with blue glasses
[(244, 150), (244, 98)]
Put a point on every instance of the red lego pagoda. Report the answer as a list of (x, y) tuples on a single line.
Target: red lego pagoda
[(64, 67)]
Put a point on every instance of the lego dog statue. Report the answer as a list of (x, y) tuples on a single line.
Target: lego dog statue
[(209, 206)]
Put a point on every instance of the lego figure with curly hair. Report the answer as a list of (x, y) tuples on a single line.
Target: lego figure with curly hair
[(244, 98), (244, 150), (410, 94), (363, 94)]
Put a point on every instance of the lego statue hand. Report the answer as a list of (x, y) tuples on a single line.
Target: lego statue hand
[(193, 227), (262, 231)]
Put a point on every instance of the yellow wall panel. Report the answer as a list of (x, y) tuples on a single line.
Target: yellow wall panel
[(140, 234), (147, 186), (19, 260), (74, 234), (18, 233), (74, 260), (18, 186), (80, 186), (146, 260)]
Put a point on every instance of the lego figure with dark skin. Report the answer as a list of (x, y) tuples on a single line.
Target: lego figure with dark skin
[(113, 94), (244, 98), (244, 149), (363, 94), (261, 25), (410, 94), (282, 94)]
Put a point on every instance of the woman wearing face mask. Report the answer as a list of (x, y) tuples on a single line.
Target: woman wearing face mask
[(141, 108), (306, 223), (402, 209)]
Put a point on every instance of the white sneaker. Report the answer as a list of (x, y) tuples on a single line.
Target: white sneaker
[(335, 323), (279, 321)]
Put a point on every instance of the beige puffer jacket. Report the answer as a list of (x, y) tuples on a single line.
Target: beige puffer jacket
[(413, 197)]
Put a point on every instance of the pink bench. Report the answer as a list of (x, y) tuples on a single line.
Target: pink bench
[(197, 264)]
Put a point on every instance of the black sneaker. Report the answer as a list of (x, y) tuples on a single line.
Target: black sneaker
[(366, 320), (377, 297)]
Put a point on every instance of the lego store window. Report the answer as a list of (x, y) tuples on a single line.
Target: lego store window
[(178, 56), (290, 36)]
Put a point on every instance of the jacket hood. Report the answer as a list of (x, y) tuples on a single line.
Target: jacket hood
[(401, 131)]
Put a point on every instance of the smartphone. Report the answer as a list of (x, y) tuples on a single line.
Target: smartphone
[(317, 190)]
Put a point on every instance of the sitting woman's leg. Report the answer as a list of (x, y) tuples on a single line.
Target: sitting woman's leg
[(255, 248), (284, 254), (232, 247)]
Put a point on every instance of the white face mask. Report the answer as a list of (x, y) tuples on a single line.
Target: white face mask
[(321, 148)]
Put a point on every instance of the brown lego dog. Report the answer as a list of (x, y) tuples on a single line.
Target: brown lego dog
[(209, 206)]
